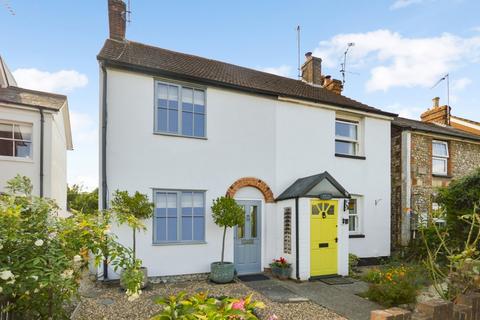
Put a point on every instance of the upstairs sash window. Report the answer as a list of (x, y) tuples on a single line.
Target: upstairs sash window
[(15, 140), (180, 110), (440, 157), (346, 137)]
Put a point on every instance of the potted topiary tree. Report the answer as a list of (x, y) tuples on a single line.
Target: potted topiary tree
[(132, 210), (227, 214)]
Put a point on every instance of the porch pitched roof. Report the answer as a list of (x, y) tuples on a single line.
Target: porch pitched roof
[(313, 186)]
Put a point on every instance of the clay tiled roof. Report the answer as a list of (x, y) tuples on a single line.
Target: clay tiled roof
[(154, 60), (33, 98), (416, 125)]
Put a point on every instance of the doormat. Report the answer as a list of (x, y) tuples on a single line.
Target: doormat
[(253, 277), (335, 280)]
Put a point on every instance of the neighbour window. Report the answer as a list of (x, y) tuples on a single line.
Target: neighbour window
[(346, 137), (440, 157), (179, 216), (353, 216), (180, 110), (287, 230), (15, 140)]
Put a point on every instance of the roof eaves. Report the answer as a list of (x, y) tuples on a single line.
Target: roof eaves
[(159, 72)]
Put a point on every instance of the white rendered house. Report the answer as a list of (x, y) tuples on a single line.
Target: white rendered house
[(35, 135), (311, 167)]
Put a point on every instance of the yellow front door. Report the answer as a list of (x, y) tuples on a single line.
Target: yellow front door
[(323, 237)]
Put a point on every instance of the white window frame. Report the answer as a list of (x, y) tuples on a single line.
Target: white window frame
[(180, 86), (356, 142), (358, 214), (13, 157), (443, 158), (179, 240)]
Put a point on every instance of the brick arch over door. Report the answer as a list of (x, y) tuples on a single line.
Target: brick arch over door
[(251, 182)]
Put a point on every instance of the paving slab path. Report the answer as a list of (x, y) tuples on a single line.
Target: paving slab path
[(341, 299)]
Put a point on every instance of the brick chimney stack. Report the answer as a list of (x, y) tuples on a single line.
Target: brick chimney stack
[(437, 114), (312, 74), (117, 12), (333, 85), (312, 70)]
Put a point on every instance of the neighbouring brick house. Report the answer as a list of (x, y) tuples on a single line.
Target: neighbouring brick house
[(426, 155)]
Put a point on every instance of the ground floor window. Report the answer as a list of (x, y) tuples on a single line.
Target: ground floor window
[(179, 216), (354, 217)]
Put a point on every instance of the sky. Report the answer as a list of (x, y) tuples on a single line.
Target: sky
[(401, 49)]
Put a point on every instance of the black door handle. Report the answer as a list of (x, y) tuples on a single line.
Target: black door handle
[(336, 240)]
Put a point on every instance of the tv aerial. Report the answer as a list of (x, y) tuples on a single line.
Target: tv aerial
[(343, 69)]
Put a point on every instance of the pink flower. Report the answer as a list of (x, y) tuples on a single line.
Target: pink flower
[(273, 317), (239, 305)]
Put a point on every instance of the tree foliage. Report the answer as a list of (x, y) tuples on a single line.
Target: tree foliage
[(131, 210), (227, 213), (82, 201)]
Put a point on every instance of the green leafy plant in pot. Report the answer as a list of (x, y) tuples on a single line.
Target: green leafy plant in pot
[(226, 213), (132, 210)]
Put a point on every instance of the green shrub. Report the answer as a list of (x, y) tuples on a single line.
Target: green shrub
[(352, 263), (459, 199), (392, 286), (201, 306), (41, 258)]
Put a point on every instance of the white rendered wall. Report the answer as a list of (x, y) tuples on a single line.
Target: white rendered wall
[(58, 162), (247, 136), (306, 146), (239, 144)]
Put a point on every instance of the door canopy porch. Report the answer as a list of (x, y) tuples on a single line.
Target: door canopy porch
[(322, 186)]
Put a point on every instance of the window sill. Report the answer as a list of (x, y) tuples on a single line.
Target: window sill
[(16, 159), (178, 243), (356, 236), (438, 175), (341, 155), (178, 135)]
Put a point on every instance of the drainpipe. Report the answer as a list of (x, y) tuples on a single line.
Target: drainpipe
[(297, 246), (42, 134), (103, 153)]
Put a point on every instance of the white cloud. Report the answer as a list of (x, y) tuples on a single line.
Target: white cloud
[(399, 4), (460, 84), (60, 81), (398, 61), (476, 29), (282, 70)]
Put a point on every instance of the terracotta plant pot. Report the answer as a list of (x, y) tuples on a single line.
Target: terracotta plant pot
[(222, 272)]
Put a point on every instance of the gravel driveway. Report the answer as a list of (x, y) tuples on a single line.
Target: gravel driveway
[(110, 303)]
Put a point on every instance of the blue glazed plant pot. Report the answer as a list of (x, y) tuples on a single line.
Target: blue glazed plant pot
[(284, 273), (275, 270), (222, 273)]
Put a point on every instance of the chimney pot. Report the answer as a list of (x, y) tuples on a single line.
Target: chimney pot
[(308, 55), (436, 102), (117, 19)]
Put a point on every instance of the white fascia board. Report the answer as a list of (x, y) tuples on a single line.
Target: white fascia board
[(331, 107)]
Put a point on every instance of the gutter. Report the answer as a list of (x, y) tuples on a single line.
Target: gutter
[(103, 154), (297, 246)]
